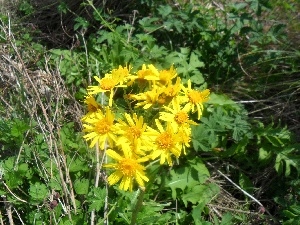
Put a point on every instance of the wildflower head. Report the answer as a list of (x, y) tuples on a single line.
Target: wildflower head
[(127, 169), (167, 143), (100, 128), (195, 98), (166, 76)]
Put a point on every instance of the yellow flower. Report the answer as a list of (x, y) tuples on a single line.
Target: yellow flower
[(107, 84), (166, 143), (166, 76), (148, 74), (172, 90), (92, 106), (195, 98), (133, 135), (184, 134), (177, 116), (122, 74), (128, 169), (168, 93), (100, 128), (147, 99)]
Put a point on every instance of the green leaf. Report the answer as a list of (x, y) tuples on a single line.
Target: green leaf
[(201, 169), (77, 164), (164, 10), (148, 24), (81, 186), (227, 219), (195, 62), (81, 23), (38, 191), (197, 213), (199, 138), (245, 183), (151, 213), (264, 154), (288, 159), (181, 178), (201, 193), (197, 78), (9, 164), (18, 128), (220, 99), (96, 198)]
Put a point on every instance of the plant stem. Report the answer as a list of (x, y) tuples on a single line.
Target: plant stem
[(138, 206), (96, 178)]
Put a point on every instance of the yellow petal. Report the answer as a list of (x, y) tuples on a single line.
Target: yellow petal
[(114, 177), (113, 154)]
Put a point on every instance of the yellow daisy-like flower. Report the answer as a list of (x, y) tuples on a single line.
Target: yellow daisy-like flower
[(100, 128), (148, 98), (166, 143), (172, 90), (148, 74), (195, 98), (166, 76), (177, 116), (122, 74), (107, 84), (168, 93), (133, 135), (128, 169), (184, 134), (92, 106)]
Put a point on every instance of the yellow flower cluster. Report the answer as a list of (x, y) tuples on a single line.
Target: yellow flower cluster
[(131, 141)]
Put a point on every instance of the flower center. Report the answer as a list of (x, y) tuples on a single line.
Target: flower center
[(102, 126), (195, 96), (134, 132), (181, 117), (128, 167), (165, 141), (161, 99), (107, 83), (170, 91)]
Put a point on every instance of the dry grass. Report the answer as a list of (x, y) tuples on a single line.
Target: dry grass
[(39, 96)]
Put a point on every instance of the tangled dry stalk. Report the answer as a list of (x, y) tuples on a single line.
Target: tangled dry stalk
[(41, 95)]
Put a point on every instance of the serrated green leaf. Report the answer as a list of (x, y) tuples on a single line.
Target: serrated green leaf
[(164, 10), (38, 191), (197, 213), (201, 193), (9, 164), (197, 78), (194, 62), (54, 184), (81, 186), (199, 138), (202, 171), (77, 164), (181, 178), (96, 198), (287, 159), (13, 179)]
